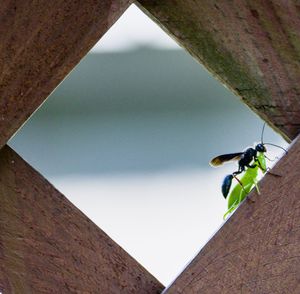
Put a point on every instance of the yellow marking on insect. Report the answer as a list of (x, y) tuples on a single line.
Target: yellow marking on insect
[(216, 161)]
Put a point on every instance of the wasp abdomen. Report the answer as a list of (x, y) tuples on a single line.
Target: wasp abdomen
[(226, 185)]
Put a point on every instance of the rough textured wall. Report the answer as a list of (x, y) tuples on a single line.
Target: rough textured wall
[(40, 43), (253, 47), (48, 246)]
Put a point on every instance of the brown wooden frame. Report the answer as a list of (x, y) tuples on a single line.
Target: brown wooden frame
[(47, 245)]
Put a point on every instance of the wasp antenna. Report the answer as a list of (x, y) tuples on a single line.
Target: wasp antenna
[(262, 134), (276, 146)]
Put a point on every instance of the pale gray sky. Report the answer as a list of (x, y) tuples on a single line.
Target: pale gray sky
[(133, 29)]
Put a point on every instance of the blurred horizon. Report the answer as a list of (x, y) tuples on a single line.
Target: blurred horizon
[(178, 117)]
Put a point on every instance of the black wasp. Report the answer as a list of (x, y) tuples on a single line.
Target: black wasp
[(246, 159)]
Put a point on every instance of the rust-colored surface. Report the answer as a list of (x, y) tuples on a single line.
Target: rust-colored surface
[(258, 248), (48, 246), (40, 42), (251, 46)]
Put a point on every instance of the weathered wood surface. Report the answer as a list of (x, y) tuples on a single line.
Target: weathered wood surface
[(40, 43), (48, 246), (251, 46), (258, 248)]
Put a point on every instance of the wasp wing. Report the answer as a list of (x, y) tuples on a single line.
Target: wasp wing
[(219, 160)]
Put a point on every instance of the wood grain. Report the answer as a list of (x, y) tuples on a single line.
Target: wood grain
[(253, 47), (48, 246), (258, 248), (40, 43)]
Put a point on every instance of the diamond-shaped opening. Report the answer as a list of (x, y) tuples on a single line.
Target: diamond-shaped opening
[(127, 137)]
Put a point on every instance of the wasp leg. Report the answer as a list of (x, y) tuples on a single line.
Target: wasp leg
[(239, 171), (237, 179), (251, 166), (236, 173), (240, 184), (270, 158)]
